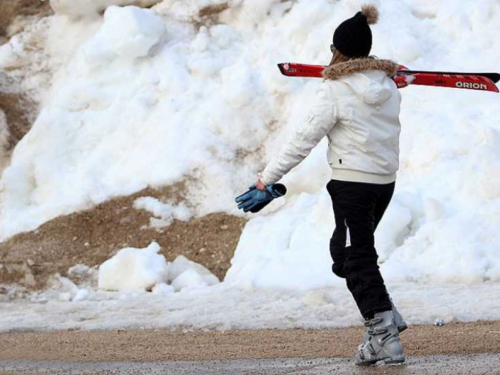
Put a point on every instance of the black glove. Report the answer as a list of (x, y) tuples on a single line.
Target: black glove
[(255, 200)]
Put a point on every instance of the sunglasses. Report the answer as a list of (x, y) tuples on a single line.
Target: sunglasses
[(332, 48)]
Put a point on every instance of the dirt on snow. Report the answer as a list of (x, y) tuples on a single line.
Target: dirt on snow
[(19, 109), (11, 9), (90, 237)]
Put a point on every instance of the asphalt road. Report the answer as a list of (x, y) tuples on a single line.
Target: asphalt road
[(458, 348), (456, 365)]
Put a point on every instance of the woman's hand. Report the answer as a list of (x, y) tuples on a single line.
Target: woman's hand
[(259, 185)]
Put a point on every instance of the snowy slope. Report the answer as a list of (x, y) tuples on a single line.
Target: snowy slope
[(149, 97)]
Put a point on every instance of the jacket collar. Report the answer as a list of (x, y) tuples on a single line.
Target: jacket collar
[(337, 71)]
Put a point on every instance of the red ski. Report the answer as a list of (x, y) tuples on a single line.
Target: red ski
[(405, 77)]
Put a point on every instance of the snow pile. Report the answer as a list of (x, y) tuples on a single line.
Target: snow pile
[(78, 286), (163, 289), (65, 290), (74, 293), (164, 213), (84, 276), (293, 258), (147, 98), (184, 273), (125, 35), (134, 268), (442, 225), (92, 8)]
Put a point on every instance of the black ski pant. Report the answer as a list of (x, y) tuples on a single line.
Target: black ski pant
[(358, 209)]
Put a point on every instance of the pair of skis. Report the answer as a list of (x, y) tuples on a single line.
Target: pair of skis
[(405, 77)]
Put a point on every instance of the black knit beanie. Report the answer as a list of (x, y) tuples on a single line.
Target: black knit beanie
[(353, 38)]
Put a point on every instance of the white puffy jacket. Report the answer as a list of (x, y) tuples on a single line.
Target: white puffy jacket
[(357, 108)]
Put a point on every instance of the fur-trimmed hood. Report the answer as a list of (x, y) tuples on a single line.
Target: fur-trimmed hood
[(337, 71), (367, 77)]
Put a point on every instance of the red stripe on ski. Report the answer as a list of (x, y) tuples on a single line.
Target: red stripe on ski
[(301, 70), (495, 77), (468, 82)]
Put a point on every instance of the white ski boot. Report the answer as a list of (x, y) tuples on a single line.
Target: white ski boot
[(383, 342), (398, 320)]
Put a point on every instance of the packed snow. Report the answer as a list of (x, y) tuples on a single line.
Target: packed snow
[(92, 8), (152, 97), (164, 213), (223, 307), (134, 269), (183, 271)]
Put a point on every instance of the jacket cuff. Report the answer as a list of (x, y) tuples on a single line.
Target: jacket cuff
[(264, 180)]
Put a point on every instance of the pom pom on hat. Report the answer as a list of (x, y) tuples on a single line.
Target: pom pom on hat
[(371, 14)]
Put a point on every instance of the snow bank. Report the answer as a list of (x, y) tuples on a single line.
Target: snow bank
[(225, 308), (164, 213), (184, 273), (127, 34), (65, 290), (163, 289), (134, 268), (442, 225), (149, 99), (92, 8), (145, 269), (296, 258)]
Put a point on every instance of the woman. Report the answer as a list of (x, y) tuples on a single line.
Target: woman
[(357, 108)]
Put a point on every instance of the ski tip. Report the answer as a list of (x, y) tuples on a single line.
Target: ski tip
[(282, 69), (491, 85), (495, 77)]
